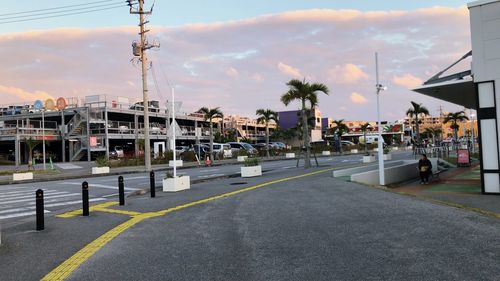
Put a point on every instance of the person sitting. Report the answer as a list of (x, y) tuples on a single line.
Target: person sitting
[(425, 169)]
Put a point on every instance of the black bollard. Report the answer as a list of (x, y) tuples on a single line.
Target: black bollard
[(152, 183), (121, 191), (85, 198), (40, 224)]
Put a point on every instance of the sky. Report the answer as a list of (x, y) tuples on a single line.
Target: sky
[(238, 55)]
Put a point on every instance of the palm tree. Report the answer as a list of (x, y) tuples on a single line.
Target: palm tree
[(304, 92), (266, 116), (364, 128), (454, 118), (417, 110), (433, 132), (31, 144), (208, 115), (340, 129)]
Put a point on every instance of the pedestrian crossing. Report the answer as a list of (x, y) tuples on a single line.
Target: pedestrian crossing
[(20, 201)]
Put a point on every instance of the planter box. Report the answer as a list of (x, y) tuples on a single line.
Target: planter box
[(375, 149), (290, 155), (176, 184), (242, 158), (387, 156), (253, 171), (100, 170), (368, 159), (22, 176), (178, 163), (395, 148), (354, 151), (326, 153)]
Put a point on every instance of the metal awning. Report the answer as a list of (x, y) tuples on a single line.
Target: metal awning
[(461, 92)]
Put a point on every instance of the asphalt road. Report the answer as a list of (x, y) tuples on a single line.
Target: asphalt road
[(17, 200), (314, 228)]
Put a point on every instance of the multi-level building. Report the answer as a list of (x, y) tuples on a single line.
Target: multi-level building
[(83, 127)]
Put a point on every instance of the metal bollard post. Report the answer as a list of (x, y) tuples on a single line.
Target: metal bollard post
[(85, 198), (152, 183), (40, 224), (121, 191)]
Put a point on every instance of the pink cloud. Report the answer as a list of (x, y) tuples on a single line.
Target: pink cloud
[(358, 98), (408, 81), (334, 47)]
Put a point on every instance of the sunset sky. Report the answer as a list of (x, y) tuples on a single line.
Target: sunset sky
[(238, 55)]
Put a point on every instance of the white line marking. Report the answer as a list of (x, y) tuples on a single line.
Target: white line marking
[(288, 167), (25, 214), (33, 199), (31, 195), (101, 186), (136, 178), (209, 170), (210, 176)]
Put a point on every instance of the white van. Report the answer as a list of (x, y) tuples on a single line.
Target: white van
[(369, 140), (223, 149)]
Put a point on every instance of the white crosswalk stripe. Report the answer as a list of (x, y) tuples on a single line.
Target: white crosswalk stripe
[(20, 202)]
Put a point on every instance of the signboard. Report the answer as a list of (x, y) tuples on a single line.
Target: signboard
[(61, 103), (49, 104), (93, 141), (38, 105), (463, 157)]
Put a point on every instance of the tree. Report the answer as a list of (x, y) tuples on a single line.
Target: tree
[(340, 129), (264, 117), (304, 92), (454, 118), (208, 115), (364, 128), (433, 132), (31, 144), (415, 111)]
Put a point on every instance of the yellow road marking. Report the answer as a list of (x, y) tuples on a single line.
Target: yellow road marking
[(79, 212), (65, 269)]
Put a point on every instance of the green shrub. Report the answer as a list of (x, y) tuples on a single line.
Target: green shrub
[(102, 161), (188, 156), (250, 162), (242, 152)]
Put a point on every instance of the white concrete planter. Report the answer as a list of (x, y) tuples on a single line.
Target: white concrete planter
[(375, 149), (387, 156), (252, 171), (242, 158), (326, 153), (100, 170), (177, 162), (395, 148), (354, 151), (368, 159), (290, 155), (176, 184), (22, 176)]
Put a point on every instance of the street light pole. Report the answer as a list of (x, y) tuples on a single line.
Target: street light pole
[(43, 139), (379, 88)]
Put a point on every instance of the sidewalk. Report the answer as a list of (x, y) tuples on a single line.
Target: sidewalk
[(459, 187)]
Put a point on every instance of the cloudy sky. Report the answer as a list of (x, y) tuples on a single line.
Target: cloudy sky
[(237, 55)]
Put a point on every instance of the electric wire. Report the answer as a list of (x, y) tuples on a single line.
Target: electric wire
[(63, 15), (61, 7)]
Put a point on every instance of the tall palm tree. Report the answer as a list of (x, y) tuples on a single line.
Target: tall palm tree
[(454, 118), (209, 114), (364, 128), (340, 128), (304, 92), (264, 117), (417, 110)]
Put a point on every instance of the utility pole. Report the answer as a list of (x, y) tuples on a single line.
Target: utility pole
[(139, 50)]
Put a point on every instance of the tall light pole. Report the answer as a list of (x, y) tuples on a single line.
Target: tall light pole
[(379, 87), (43, 139)]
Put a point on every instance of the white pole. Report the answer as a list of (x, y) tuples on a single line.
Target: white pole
[(173, 132), (43, 138), (381, 173)]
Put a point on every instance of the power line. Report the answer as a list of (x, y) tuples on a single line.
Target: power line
[(60, 11), (61, 7), (63, 15)]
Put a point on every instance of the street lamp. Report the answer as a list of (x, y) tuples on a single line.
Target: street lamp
[(472, 115), (43, 138), (379, 88)]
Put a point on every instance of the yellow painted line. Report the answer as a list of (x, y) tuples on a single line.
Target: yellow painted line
[(114, 211), (79, 212), (72, 263)]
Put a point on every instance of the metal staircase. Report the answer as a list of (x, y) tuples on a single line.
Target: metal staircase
[(78, 135)]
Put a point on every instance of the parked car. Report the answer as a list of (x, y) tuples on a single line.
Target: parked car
[(201, 150), (347, 143), (153, 106), (237, 146), (279, 145), (223, 149)]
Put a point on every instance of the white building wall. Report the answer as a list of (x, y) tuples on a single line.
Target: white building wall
[(485, 32)]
